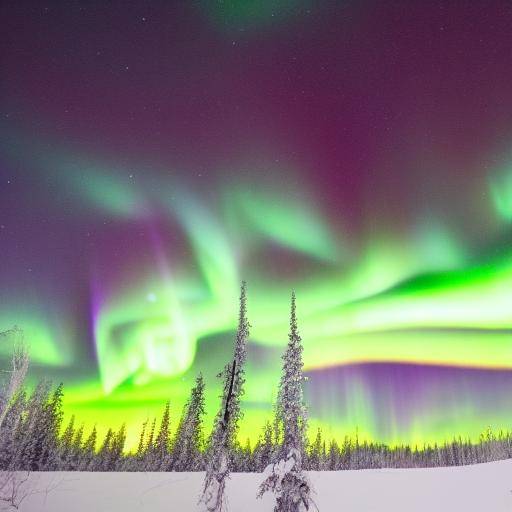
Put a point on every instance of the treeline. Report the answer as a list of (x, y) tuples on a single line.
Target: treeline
[(32, 438)]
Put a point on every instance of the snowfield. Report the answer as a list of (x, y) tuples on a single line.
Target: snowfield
[(479, 488)]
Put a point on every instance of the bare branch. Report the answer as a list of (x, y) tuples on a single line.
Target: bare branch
[(18, 370)]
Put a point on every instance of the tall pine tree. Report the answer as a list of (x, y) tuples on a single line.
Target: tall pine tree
[(223, 438), (285, 476)]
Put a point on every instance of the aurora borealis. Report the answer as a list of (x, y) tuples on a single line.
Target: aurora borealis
[(154, 154)]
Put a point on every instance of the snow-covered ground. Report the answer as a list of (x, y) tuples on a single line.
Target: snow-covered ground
[(480, 488)]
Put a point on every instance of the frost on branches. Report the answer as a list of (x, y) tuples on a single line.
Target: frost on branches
[(285, 477), (213, 498), (223, 438), (289, 484), (188, 443), (13, 485)]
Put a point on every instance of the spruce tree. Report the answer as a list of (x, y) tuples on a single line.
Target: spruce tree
[(38, 437), (116, 449), (66, 443), (10, 431), (103, 458), (89, 451), (265, 448), (316, 453), (333, 461), (52, 424), (151, 436), (141, 447), (188, 442), (75, 458), (285, 477), (147, 457), (223, 438), (159, 457)]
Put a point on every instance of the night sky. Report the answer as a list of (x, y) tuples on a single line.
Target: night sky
[(154, 154)]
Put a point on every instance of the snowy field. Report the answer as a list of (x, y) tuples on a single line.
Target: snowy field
[(480, 488)]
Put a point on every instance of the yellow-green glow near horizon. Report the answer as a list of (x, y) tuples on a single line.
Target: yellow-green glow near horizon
[(457, 318)]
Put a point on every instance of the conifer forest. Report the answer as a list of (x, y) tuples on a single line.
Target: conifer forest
[(34, 438)]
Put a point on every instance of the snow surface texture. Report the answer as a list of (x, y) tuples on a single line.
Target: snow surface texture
[(483, 487)]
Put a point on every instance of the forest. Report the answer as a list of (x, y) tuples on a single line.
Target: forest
[(33, 436)]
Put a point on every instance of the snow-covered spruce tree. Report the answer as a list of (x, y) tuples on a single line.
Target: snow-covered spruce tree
[(109, 457), (147, 460), (102, 459), (223, 437), (10, 431), (316, 456), (65, 445), (285, 476), (88, 452), (264, 449), (158, 456), (243, 460), (38, 436), (188, 442), (139, 454), (117, 448), (76, 452), (163, 441), (52, 421), (333, 457)]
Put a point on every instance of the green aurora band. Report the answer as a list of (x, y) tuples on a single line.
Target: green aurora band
[(159, 321)]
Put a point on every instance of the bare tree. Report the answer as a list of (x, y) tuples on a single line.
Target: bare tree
[(14, 486), (18, 370)]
